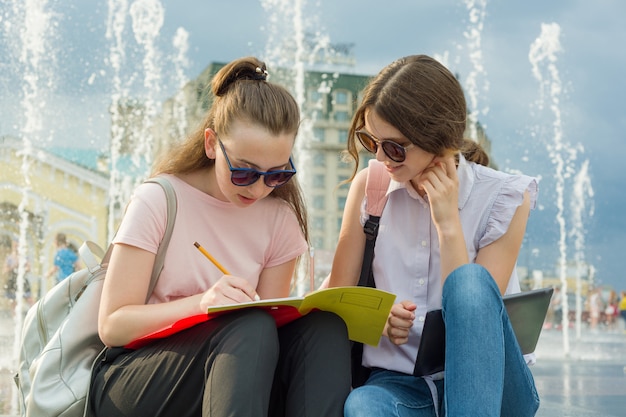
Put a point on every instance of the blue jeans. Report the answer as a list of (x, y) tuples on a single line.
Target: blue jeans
[(486, 374)]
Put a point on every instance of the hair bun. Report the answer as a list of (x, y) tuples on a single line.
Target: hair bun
[(261, 74)]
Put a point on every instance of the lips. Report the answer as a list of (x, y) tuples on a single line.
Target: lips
[(246, 200), (391, 169)]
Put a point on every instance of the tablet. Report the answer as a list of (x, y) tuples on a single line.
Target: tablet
[(527, 312)]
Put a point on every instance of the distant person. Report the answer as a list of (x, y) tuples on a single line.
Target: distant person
[(556, 304), (611, 311), (622, 307), (10, 270), (65, 259), (596, 307)]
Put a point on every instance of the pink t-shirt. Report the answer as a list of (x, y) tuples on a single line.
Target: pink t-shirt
[(244, 240)]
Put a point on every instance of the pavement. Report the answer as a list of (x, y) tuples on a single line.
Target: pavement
[(585, 377), (587, 381)]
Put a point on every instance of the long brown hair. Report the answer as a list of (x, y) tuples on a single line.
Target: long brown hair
[(241, 92), (424, 101)]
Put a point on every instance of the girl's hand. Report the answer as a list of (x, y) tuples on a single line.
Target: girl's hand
[(441, 184), (400, 322), (228, 290)]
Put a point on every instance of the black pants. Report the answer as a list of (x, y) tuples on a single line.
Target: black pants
[(238, 364)]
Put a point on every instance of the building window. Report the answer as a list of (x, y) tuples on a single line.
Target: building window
[(341, 98), (315, 96), (341, 203), (319, 159), (343, 135), (318, 223), (319, 202), (318, 242), (319, 134), (339, 219), (319, 181), (341, 116), (342, 164)]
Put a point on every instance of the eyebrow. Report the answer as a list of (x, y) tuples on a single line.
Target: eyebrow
[(258, 168)]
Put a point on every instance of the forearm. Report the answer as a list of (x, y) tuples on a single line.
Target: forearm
[(453, 251), (133, 321)]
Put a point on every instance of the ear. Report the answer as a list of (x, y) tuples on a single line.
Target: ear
[(210, 143)]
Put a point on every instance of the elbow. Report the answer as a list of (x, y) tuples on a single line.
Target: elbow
[(110, 333)]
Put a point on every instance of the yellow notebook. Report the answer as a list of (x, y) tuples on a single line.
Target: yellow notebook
[(363, 309)]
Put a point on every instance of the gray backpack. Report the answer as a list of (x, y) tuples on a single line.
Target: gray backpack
[(60, 339)]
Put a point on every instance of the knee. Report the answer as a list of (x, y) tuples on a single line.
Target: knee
[(324, 332), (255, 321), (365, 400), (328, 323), (329, 327), (469, 285), (250, 327)]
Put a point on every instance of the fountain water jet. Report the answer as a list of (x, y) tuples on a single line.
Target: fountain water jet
[(473, 34), (132, 121), (582, 193), (116, 23), (35, 30), (181, 63), (147, 20), (543, 54)]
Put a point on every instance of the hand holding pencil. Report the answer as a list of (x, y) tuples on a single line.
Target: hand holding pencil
[(217, 264)]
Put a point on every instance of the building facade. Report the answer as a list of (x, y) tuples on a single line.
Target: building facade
[(55, 196)]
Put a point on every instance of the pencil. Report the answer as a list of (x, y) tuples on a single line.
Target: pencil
[(216, 263), (211, 258)]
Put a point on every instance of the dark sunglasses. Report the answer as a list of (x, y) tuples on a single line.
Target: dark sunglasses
[(393, 150), (247, 176)]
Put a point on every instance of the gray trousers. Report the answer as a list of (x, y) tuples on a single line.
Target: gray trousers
[(238, 364)]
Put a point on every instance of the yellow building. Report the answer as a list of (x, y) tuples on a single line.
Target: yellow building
[(56, 196)]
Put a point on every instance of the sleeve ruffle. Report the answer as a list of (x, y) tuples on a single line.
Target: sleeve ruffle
[(506, 203)]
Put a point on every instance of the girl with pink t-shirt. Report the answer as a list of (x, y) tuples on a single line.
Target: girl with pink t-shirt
[(236, 196)]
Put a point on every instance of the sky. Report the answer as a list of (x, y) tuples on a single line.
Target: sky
[(563, 123)]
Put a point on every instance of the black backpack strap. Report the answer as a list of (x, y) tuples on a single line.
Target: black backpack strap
[(371, 233)]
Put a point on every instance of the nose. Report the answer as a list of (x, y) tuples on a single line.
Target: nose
[(259, 189), (381, 156)]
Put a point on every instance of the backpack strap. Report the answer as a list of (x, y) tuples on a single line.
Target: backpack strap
[(172, 206), (376, 187)]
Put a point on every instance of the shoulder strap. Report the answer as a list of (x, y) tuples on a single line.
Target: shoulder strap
[(376, 187), (172, 206)]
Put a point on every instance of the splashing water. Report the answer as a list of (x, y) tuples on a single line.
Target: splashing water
[(181, 64), (35, 26), (147, 19), (132, 121), (543, 54), (473, 34), (116, 23), (582, 194)]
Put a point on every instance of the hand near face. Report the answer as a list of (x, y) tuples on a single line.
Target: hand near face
[(441, 184)]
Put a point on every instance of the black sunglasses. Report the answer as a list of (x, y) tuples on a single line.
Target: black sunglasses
[(393, 150), (248, 176)]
